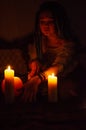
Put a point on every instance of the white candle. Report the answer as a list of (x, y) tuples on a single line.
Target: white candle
[(9, 84), (52, 88)]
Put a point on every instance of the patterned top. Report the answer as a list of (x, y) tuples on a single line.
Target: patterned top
[(62, 56)]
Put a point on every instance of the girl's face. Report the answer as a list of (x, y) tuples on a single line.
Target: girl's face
[(46, 23)]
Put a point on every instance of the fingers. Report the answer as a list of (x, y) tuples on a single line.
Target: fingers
[(29, 95), (30, 89)]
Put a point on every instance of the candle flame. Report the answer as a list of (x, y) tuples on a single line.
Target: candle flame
[(9, 67), (52, 74)]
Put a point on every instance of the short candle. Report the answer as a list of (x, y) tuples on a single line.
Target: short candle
[(52, 88)]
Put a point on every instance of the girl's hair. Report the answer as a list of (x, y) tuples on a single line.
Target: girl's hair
[(60, 18)]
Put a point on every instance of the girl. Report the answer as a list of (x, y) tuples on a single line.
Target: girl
[(53, 50)]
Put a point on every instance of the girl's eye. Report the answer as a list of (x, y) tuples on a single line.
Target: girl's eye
[(42, 22), (51, 22), (47, 22)]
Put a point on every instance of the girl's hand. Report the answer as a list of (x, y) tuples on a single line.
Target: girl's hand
[(35, 68), (31, 88)]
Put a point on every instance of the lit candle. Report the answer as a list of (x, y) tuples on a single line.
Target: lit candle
[(52, 88), (9, 84)]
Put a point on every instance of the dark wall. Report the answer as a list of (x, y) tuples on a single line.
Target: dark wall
[(17, 17)]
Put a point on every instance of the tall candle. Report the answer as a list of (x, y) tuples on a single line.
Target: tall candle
[(52, 88), (9, 84)]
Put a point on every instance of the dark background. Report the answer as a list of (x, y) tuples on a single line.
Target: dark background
[(17, 17)]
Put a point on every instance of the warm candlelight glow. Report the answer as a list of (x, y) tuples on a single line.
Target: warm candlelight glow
[(18, 84), (52, 88), (9, 73)]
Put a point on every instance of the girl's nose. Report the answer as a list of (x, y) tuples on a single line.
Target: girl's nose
[(46, 23)]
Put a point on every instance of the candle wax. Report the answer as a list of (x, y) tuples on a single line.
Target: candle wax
[(52, 88), (9, 85)]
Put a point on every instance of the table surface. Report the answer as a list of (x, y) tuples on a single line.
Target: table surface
[(61, 116)]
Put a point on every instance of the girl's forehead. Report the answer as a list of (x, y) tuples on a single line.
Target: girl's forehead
[(47, 14)]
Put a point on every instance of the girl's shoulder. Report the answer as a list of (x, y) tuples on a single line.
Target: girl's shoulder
[(66, 42)]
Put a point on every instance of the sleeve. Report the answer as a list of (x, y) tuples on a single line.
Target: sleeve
[(65, 58), (32, 52)]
